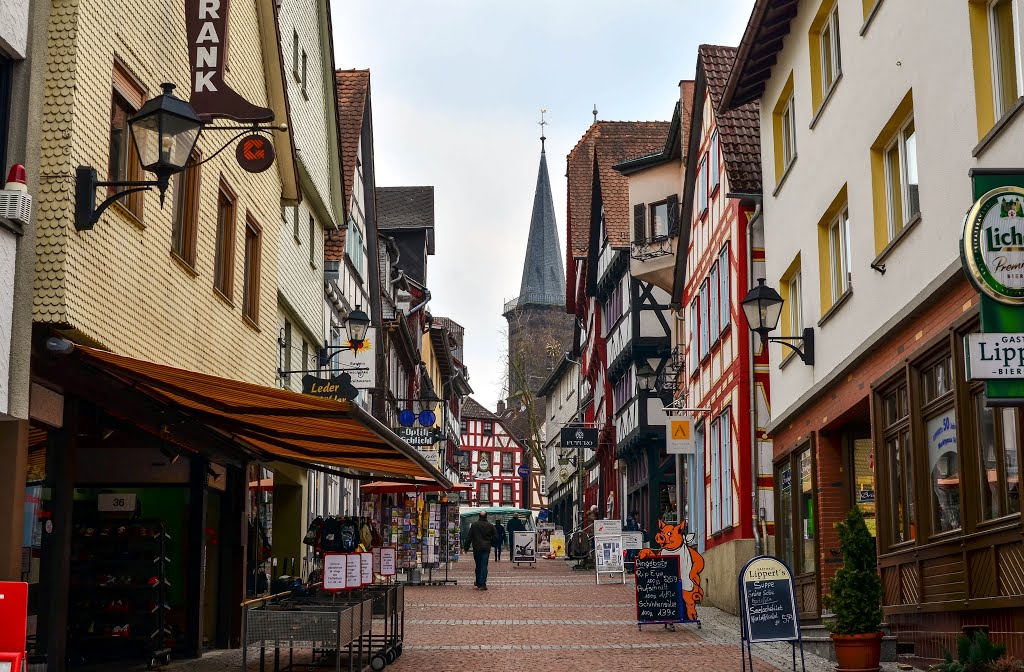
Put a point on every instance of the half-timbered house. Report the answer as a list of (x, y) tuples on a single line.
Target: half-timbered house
[(723, 377), (494, 457)]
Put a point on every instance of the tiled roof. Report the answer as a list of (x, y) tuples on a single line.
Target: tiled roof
[(405, 208), (543, 274), (738, 129), (352, 88), (471, 408), (613, 142), (762, 40)]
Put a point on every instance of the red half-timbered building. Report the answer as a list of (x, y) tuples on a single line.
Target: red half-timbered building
[(494, 458), (726, 367)]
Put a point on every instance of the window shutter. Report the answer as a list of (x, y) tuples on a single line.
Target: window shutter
[(673, 215), (638, 222)]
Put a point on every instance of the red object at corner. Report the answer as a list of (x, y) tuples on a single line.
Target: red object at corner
[(13, 620)]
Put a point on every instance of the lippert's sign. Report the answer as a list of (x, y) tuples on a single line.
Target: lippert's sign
[(994, 356), (578, 437)]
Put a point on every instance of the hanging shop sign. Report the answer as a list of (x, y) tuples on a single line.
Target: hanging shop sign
[(255, 153), (679, 435), (206, 22), (992, 254), (419, 436), (523, 471), (992, 246), (359, 362), (337, 387), (578, 437)]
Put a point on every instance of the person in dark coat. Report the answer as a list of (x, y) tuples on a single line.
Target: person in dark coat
[(500, 540), (481, 536)]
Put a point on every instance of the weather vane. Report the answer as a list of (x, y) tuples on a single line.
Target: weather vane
[(542, 124)]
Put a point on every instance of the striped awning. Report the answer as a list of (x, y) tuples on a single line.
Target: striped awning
[(276, 424)]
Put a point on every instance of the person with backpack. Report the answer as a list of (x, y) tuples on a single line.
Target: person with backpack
[(500, 539), (480, 538)]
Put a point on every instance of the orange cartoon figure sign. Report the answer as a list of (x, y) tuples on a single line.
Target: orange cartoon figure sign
[(672, 539)]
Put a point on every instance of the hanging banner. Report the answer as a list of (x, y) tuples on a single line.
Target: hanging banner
[(679, 435)]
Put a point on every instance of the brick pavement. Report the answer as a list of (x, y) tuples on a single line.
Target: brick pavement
[(550, 618)]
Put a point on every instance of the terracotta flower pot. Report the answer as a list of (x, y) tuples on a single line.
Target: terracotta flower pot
[(858, 653)]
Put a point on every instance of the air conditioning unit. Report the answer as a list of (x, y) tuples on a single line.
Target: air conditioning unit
[(15, 202)]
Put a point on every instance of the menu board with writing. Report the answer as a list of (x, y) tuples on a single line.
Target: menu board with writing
[(354, 573), (658, 596), (367, 568), (387, 561), (767, 602), (335, 571)]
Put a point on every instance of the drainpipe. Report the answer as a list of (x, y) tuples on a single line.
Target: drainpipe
[(759, 542), (426, 300)]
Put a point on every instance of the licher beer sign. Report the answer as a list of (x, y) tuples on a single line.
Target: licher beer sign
[(993, 245), (211, 97)]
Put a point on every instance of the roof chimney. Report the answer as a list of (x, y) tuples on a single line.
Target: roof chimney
[(501, 407)]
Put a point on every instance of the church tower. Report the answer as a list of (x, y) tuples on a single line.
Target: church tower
[(539, 329)]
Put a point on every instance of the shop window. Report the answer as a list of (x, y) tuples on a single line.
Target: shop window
[(864, 481), (999, 439), (224, 254), (899, 476), (659, 220), (123, 158), (506, 463), (506, 494), (806, 514), (784, 130), (784, 521), (714, 162), (251, 278), (826, 62), (185, 220), (725, 307)]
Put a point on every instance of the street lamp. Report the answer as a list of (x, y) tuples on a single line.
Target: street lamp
[(762, 306), (646, 377), (357, 324), (164, 132)]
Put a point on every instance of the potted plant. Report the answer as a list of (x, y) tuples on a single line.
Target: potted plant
[(855, 598)]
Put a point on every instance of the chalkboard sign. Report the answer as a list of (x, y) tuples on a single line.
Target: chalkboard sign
[(658, 596), (766, 595)]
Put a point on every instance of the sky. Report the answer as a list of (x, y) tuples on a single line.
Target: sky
[(456, 90)]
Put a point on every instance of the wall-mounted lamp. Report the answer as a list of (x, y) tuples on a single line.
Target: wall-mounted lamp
[(357, 323), (762, 307)]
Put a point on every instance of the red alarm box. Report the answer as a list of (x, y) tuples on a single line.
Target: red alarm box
[(13, 622)]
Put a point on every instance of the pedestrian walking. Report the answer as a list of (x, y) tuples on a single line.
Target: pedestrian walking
[(500, 540), (481, 536), (515, 525), (632, 525)]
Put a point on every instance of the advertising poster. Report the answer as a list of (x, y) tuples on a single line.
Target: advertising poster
[(544, 532), (558, 544), (335, 571), (387, 561), (524, 547), (353, 571), (608, 553), (607, 527), (366, 566)]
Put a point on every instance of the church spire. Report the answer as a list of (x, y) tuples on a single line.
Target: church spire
[(543, 274)]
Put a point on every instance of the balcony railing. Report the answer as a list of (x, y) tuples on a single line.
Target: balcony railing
[(650, 248)]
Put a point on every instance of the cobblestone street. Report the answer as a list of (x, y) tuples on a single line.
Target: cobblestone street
[(550, 618)]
